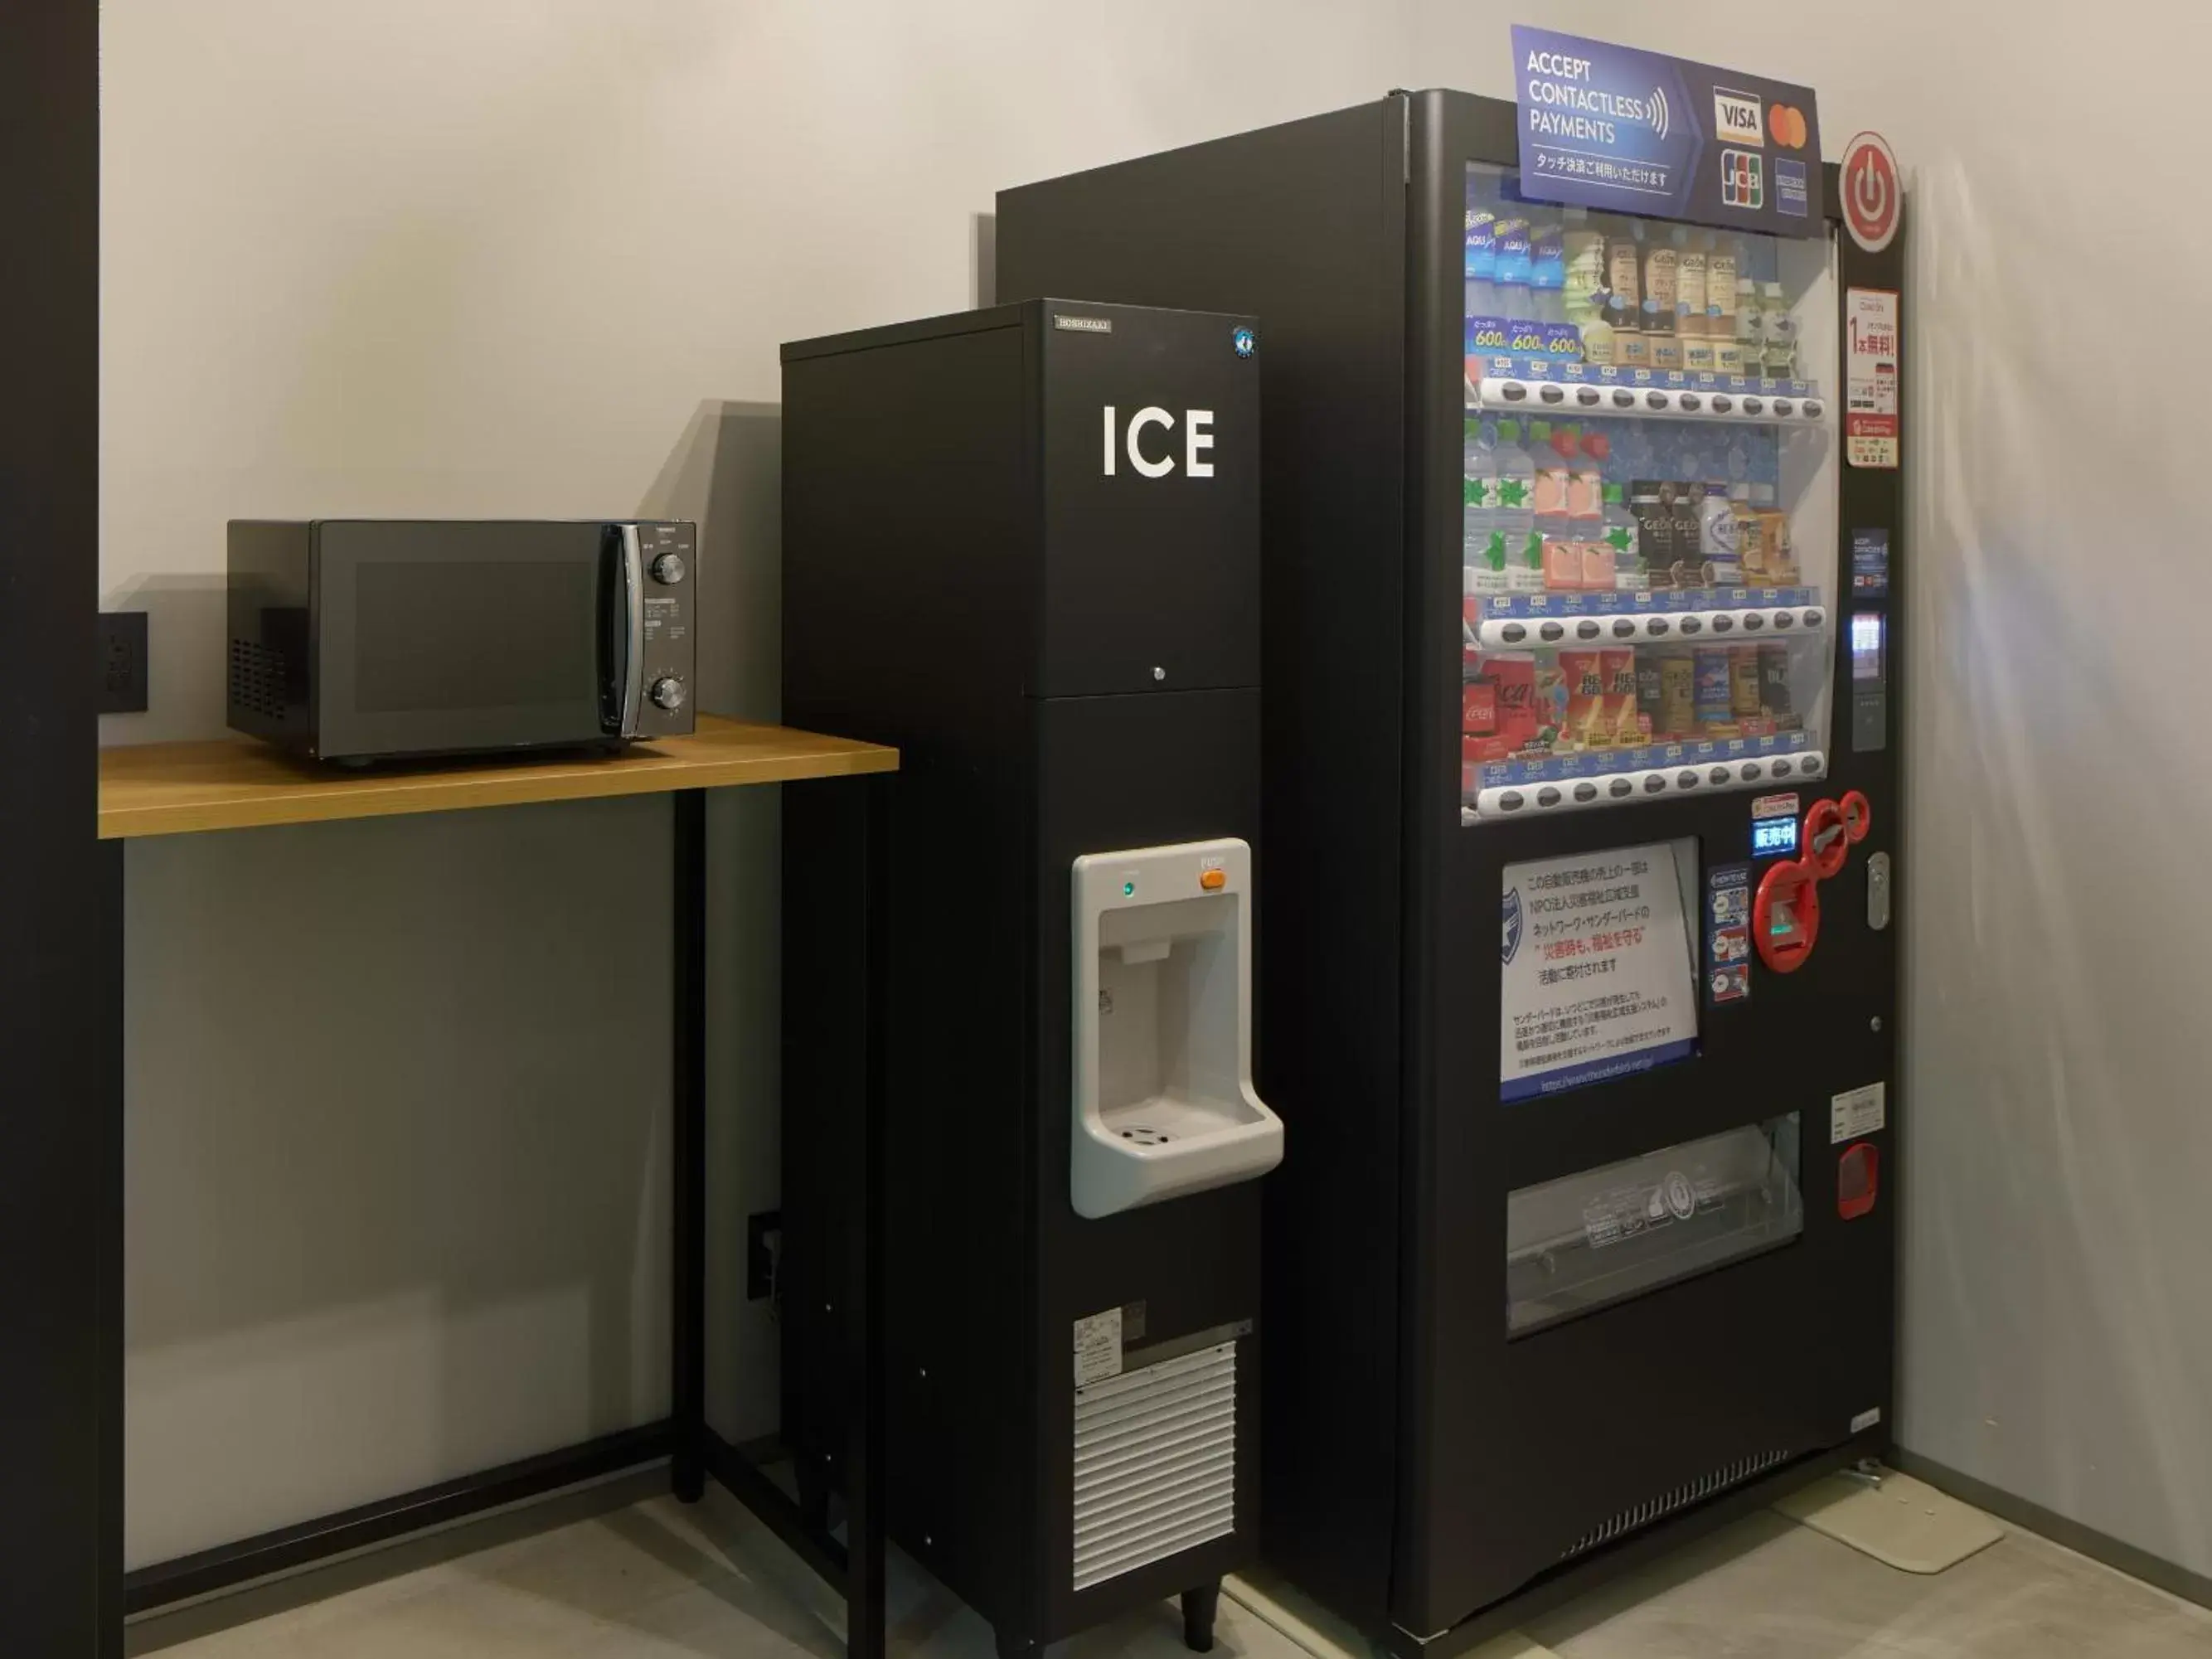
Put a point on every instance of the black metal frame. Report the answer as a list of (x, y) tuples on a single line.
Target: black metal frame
[(694, 1450), (61, 1191)]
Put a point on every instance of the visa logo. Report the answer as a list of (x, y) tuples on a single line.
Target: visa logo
[(1737, 117)]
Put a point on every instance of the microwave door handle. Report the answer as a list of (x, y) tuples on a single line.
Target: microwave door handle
[(633, 579)]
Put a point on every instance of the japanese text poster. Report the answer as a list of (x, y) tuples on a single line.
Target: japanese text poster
[(1599, 980)]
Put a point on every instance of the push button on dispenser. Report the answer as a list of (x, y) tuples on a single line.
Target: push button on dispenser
[(1214, 880)]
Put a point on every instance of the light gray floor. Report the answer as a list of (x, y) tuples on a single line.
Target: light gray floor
[(1769, 1588), (658, 1581)]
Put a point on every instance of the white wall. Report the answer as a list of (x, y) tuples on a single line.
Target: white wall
[(2057, 1325), (510, 257)]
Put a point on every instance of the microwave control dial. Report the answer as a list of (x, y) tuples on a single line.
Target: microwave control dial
[(669, 568), (668, 692)]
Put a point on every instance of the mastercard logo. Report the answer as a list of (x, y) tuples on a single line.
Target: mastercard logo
[(1787, 123)]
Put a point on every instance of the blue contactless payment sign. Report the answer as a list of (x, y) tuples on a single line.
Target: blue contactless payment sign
[(1608, 127)]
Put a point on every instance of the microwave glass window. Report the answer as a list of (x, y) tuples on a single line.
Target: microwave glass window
[(458, 635)]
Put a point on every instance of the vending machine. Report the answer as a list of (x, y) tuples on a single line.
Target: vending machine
[(1578, 990), (1021, 544)]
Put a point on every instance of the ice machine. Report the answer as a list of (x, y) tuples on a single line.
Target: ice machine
[(1578, 979), (1023, 545)]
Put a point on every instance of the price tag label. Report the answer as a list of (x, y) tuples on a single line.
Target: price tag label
[(1870, 360)]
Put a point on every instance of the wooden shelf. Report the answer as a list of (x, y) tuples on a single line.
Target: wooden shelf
[(175, 788)]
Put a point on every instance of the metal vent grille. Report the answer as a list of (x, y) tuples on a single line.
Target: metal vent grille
[(1155, 1462), (257, 682), (1658, 1509)]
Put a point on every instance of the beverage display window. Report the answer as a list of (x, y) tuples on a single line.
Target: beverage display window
[(1649, 490)]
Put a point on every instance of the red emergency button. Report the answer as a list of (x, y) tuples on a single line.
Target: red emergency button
[(1858, 1180), (1214, 880)]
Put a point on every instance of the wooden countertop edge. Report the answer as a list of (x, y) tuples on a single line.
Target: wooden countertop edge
[(312, 799)]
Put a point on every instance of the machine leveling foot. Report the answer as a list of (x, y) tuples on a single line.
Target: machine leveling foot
[(813, 1492), (687, 1477), (1199, 1607)]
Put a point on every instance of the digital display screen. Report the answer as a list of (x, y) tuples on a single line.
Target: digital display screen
[(1772, 835), (1866, 645)]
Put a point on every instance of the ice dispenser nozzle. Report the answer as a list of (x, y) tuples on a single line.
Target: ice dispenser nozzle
[(1162, 1098)]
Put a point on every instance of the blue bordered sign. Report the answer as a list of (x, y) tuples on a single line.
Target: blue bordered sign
[(1609, 126)]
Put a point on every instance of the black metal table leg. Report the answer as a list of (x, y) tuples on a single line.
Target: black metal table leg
[(688, 1275), (864, 1518), (854, 1565)]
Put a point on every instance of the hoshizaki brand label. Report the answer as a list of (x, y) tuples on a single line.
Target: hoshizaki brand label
[(1083, 325), (1866, 1419), (1858, 1112), (1097, 1347)]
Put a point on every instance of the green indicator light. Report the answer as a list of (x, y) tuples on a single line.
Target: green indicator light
[(1128, 889)]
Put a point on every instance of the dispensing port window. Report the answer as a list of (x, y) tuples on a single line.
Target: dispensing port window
[(1602, 1236)]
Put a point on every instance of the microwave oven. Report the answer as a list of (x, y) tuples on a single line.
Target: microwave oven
[(358, 640)]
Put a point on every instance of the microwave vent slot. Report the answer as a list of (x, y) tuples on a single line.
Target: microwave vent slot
[(257, 680)]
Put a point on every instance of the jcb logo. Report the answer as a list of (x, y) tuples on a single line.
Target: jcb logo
[(1197, 441)]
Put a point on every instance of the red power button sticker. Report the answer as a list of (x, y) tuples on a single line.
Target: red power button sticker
[(1871, 195)]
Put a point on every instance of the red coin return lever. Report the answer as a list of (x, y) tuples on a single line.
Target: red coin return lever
[(1785, 916)]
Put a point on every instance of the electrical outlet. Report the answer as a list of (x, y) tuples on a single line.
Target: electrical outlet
[(764, 1250), (122, 662)]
